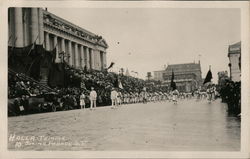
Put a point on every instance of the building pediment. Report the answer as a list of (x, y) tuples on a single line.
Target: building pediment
[(102, 42)]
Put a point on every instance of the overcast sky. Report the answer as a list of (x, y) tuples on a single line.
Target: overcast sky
[(144, 40)]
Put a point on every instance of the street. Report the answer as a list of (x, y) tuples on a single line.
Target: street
[(188, 126)]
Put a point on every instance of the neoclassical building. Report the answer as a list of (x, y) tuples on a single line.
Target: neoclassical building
[(187, 76), (234, 54), (77, 46)]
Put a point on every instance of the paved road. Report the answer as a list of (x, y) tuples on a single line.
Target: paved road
[(188, 126)]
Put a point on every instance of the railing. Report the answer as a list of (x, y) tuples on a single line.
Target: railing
[(23, 76)]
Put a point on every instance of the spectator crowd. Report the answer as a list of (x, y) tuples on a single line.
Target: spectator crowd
[(230, 93), (78, 84)]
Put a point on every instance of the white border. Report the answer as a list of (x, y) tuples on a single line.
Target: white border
[(245, 127)]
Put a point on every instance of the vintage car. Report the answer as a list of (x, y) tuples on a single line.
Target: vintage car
[(46, 102), (26, 105), (51, 102)]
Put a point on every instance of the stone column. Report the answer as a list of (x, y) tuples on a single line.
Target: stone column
[(56, 46), (104, 60), (26, 26), (82, 56), (87, 57), (98, 59), (11, 26), (94, 62), (63, 45), (101, 61), (40, 25), (91, 61), (19, 27), (47, 45), (70, 53), (76, 56), (34, 26)]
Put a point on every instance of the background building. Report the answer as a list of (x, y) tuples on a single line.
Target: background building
[(234, 54), (158, 75), (80, 47), (187, 76)]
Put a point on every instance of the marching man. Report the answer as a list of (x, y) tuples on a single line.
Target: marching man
[(175, 95), (113, 97), (82, 102), (209, 93), (92, 97), (119, 98)]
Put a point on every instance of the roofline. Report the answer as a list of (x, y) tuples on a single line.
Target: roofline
[(183, 64), (238, 43), (160, 71), (66, 21)]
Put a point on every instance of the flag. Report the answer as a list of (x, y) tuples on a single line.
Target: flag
[(208, 77), (120, 84), (111, 65), (173, 84)]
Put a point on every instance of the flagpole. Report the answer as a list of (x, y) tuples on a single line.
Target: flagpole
[(14, 43), (33, 44), (9, 38), (12, 48)]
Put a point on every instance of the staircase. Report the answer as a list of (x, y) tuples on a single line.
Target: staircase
[(44, 81), (42, 84)]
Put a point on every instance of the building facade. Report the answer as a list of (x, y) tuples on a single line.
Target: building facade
[(77, 46), (234, 55), (158, 75), (186, 76)]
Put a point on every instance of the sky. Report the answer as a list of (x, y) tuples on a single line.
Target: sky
[(145, 39)]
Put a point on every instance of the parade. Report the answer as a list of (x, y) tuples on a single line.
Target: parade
[(80, 88), (108, 93), (138, 86)]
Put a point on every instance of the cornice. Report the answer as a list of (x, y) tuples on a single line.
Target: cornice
[(58, 23)]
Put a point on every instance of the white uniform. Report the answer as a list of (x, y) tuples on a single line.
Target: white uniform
[(92, 97), (175, 94), (119, 98), (82, 102), (113, 98)]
